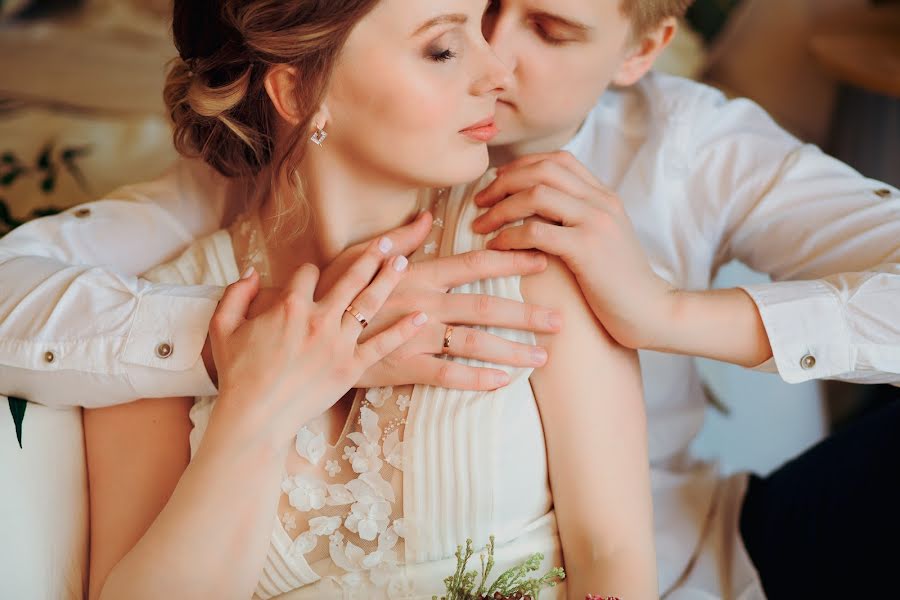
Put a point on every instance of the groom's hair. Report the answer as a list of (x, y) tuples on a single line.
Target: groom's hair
[(646, 14)]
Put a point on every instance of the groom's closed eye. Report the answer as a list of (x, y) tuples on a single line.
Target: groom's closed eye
[(558, 30)]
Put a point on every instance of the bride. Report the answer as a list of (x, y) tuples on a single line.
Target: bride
[(332, 116)]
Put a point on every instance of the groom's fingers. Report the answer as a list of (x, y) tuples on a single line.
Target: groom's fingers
[(566, 159), (539, 235), (546, 172), (541, 201)]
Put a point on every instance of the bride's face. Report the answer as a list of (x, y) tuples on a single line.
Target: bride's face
[(413, 79)]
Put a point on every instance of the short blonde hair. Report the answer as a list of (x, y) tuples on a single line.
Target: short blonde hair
[(646, 14)]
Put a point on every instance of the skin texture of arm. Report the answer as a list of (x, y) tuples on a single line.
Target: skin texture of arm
[(158, 524), (591, 403), (164, 525)]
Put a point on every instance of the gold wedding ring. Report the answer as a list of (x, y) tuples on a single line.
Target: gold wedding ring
[(357, 315), (448, 336)]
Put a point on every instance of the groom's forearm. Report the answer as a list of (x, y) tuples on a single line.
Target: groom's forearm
[(723, 325)]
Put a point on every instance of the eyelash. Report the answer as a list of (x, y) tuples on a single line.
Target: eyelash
[(443, 56), (547, 38)]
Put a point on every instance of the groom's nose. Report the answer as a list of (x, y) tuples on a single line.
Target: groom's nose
[(499, 31)]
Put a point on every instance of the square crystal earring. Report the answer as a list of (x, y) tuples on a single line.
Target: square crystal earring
[(319, 137)]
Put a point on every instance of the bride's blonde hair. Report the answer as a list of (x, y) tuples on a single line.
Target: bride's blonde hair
[(214, 90)]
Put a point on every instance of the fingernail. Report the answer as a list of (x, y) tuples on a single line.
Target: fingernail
[(501, 379), (385, 245), (420, 319), (400, 263), (248, 272), (539, 355)]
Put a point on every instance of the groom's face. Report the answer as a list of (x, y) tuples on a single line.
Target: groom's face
[(563, 54)]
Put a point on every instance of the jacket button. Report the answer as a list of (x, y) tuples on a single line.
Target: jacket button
[(808, 362), (83, 213), (164, 350), (49, 357), (883, 193)]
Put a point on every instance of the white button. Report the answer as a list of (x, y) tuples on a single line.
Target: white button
[(164, 350), (49, 357), (808, 362)]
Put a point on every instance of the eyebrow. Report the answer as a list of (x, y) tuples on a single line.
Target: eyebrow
[(563, 21), (457, 19)]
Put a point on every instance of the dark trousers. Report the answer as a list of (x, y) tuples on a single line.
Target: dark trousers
[(827, 524)]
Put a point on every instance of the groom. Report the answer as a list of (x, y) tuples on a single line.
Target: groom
[(660, 182)]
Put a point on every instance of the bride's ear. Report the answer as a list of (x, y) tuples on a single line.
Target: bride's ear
[(281, 86), (321, 118)]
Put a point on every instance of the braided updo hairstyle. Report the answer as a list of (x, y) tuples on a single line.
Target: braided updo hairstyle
[(215, 92)]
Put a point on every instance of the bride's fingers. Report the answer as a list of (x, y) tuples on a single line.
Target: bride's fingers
[(473, 343), (232, 308), (390, 339), (303, 282), (409, 237), (359, 275), (448, 374), (371, 299)]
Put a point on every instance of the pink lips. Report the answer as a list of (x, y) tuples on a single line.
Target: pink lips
[(483, 131)]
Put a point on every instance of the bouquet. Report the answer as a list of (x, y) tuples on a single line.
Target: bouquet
[(514, 584)]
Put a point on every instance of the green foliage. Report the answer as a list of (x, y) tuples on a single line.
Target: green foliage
[(514, 583)]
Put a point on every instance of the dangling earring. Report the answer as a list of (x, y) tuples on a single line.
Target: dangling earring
[(318, 138)]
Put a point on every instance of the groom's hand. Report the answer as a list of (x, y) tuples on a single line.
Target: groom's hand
[(570, 214), (424, 288)]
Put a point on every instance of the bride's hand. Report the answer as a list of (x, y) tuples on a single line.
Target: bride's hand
[(292, 362), (425, 287)]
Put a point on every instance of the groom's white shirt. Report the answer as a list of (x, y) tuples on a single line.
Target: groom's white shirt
[(705, 181)]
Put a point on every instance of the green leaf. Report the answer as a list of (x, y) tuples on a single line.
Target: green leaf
[(17, 409)]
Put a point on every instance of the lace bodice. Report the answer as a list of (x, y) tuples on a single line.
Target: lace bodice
[(379, 512), (344, 501)]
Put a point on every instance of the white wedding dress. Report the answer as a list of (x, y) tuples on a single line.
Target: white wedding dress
[(417, 469)]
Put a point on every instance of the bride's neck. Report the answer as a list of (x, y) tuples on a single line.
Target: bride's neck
[(345, 206)]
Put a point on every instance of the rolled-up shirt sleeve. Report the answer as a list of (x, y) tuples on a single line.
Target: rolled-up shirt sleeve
[(828, 237), (78, 327)]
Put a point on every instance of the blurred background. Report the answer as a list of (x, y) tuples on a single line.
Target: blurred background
[(81, 113)]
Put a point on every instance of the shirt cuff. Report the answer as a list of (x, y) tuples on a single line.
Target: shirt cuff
[(807, 331), (162, 354)]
